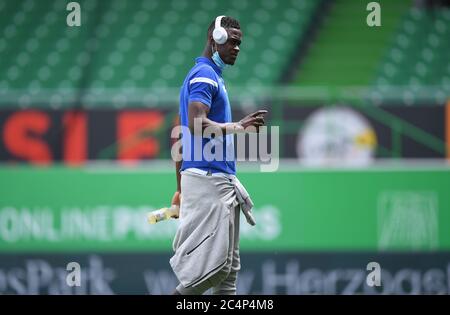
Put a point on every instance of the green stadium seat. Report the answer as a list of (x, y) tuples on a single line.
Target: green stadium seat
[(419, 55)]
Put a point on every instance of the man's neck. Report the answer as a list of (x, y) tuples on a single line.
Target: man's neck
[(207, 52)]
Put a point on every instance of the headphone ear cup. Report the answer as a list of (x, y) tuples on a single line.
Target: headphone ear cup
[(220, 35)]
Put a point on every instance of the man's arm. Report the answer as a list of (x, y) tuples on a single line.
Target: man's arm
[(198, 113), (178, 162), (177, 195), (177, 168)]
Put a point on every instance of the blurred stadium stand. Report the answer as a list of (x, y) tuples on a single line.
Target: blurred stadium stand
[(141, 44), (138, 52), (418, 57)]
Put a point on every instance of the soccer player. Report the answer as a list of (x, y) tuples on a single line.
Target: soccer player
[(206, 244)]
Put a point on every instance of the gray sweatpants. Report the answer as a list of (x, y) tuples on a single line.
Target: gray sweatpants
[(223, 282)]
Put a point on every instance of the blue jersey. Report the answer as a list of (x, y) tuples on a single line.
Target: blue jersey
[(204, 84)]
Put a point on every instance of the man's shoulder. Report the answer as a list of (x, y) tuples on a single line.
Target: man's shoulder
[(202, 70)]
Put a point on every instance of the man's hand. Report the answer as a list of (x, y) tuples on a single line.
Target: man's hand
[(255, 119), (176, 201)]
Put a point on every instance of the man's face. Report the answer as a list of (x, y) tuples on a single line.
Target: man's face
[(230, 50)]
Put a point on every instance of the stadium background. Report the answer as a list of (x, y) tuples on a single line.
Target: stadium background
[(363, 112)]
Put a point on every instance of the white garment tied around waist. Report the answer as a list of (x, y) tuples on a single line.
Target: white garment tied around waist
[(243, 198)]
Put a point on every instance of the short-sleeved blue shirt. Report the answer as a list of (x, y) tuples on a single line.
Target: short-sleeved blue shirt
[(204, 84)]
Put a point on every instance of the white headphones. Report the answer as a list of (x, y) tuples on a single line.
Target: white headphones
[(220, 34)]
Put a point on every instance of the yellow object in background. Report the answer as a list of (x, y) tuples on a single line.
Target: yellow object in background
[(367, 139)]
